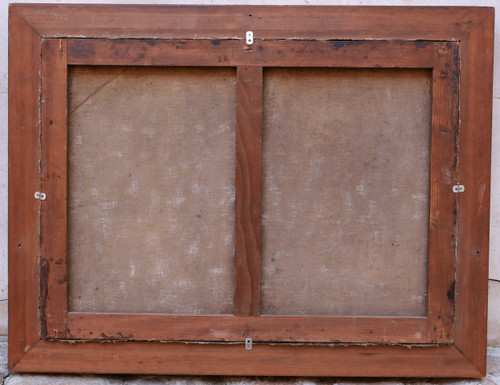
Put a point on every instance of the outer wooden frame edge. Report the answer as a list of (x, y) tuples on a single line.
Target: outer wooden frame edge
[(301, 22), (472, 26), (474, 167), (24, 180), (261, 360)]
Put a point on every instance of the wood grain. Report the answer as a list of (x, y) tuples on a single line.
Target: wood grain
[(476, 91), (54, 185), (248, 190), (472, 27), (262, 360), (24, 181), (89, 326), (290, 53), (268, 22), (442, 221)]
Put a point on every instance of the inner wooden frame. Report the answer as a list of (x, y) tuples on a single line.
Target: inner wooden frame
[(441, 57), (456, 43)]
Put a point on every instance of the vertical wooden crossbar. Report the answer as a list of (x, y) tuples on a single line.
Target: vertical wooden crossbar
[(248, 190)]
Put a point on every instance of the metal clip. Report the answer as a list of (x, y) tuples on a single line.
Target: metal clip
[(458, 188), (40, 195), (248, 343), (249, 37)]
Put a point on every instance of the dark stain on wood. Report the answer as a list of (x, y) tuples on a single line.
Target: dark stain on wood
[(82, 51), (455, 73), (338, 44), (118, 337), (139, 57), (455, 82), (419, 44), (444, 75), (62, 280), (451, 292), (125, 337), (44, 291)]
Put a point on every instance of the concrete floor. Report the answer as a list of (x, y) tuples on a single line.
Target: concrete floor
[(6, 378)]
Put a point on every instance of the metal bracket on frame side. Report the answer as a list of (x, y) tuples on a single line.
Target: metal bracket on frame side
[(40, 195), (458, 188), (249, 37)]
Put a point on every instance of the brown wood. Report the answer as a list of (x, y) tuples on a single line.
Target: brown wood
[(291, 53), (53, 273), (268, 22), (262, 360), (293, 329), (29, 292), (474, 165), (248, 190), (24, 181), (442, 221)]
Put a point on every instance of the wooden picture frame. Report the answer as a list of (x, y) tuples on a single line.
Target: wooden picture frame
[(456, 43)]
